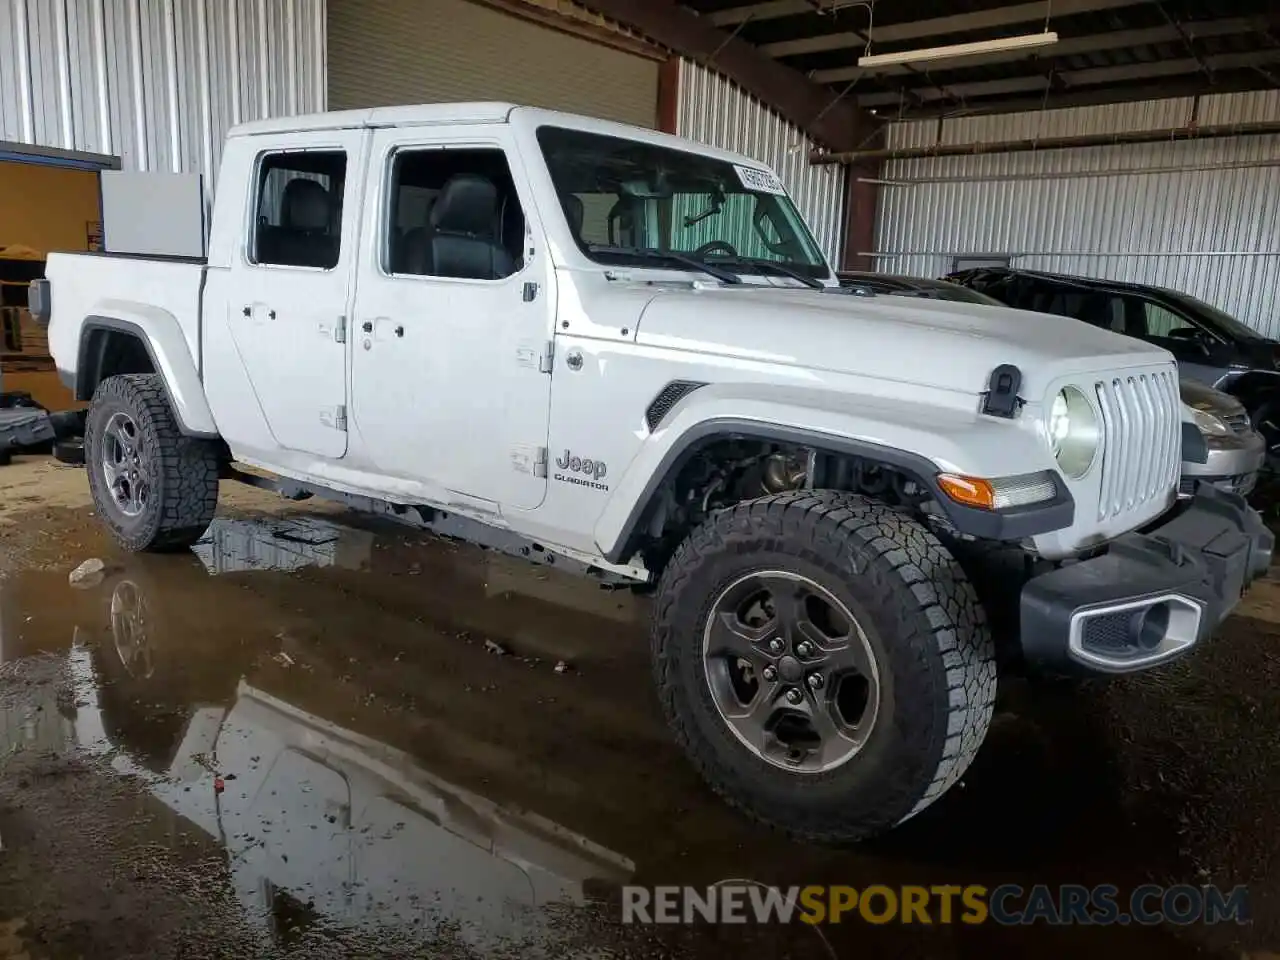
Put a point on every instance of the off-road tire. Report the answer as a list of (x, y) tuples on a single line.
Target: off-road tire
[(927, 630), (183, 470), (998, 572)]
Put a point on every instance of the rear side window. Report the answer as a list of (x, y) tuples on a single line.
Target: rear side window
[(298, 219)]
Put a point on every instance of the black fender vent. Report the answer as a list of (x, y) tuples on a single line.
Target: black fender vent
[(668, 397)]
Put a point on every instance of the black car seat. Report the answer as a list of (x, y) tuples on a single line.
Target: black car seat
[(625, 216), (464, 239), (574, 212), (512, 231), (412, 253), (305, 214)]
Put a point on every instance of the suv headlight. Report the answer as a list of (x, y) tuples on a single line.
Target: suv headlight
[(1210, 424), (1073, 432)]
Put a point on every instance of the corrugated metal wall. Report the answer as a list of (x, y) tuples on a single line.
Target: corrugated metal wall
[(385, 52), (714, 110), (155, 82), (1209, 225)]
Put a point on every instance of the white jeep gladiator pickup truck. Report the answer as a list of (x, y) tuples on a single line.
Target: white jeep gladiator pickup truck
[(623, 353)]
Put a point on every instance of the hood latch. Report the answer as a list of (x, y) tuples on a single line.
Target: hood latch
[(1001, 399)]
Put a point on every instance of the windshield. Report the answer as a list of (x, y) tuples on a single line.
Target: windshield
[(634, 203), (1224, 322), (945, 290)]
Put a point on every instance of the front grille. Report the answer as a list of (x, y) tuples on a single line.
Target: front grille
[(1238, 422), (1142, 440)]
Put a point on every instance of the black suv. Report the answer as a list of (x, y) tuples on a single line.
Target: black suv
[(1211, 346), (903, 286)]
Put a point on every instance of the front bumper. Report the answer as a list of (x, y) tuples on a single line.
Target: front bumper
[(1231, 463), (1153, 595)]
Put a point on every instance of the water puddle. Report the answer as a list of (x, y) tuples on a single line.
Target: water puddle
[(373, 730)]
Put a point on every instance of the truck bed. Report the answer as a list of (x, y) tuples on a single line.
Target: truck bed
[(120, 285)]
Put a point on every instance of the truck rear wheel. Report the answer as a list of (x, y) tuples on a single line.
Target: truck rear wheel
[(155, 488), (824, 662)]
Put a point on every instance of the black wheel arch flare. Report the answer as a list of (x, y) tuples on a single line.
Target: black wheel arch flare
[(1015, 523)]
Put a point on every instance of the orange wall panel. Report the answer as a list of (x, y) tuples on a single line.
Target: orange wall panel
[(46, 208)]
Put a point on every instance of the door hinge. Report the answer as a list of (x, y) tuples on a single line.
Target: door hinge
[(335, 417), (340, 331), (546, 362), (540, 463)]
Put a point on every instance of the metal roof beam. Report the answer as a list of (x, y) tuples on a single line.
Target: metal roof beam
[(1190, 85), (1067, 47), (833, 121), (957, 91), (941, 26), (1169, 68), (1077, 79), (1165, 135), (760, 11)]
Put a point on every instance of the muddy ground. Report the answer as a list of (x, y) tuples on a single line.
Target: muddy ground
[(317, 737)]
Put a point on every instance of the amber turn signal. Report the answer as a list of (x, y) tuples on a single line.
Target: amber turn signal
[(971, 491)]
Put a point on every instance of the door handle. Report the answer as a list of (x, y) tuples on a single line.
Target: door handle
[(367, 326), (247, 311), (399, 330), (271, 314)]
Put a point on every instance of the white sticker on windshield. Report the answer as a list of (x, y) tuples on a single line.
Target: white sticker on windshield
[(753, 178)]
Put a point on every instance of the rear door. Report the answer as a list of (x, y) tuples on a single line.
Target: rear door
[(290, 290)]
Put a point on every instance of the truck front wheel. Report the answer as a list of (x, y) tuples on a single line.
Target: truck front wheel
[(156, 488), (824, 663)]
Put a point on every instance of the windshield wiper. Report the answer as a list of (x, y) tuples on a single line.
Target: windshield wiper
[(721, 274), (782, 268)]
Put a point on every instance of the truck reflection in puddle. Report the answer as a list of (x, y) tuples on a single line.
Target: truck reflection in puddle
[(325, 825), (282, 544)]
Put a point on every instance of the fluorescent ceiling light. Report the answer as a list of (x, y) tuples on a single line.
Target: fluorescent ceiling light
[(1025, 42)]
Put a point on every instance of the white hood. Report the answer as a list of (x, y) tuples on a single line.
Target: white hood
[(928, 342)]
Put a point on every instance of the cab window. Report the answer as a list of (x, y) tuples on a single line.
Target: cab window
[(298, 219), (453, 213)]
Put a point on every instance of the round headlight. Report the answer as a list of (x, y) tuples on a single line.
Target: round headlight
[(1073, 432)]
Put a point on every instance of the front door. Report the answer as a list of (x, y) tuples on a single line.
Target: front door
[(450, 363), (289, 293)]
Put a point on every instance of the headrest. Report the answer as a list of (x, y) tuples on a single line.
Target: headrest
[(305, 205), (468, 204), (573, 212)]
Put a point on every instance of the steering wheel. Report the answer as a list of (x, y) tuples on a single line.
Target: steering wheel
[(715, 246)]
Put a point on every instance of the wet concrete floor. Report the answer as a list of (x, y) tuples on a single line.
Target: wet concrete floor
[(313, 737)]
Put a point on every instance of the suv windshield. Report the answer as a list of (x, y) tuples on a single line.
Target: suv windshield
[(634, 203), (945, 290)]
